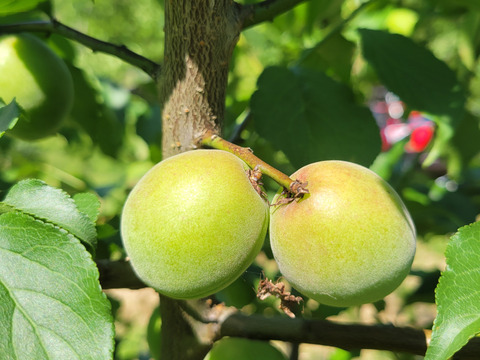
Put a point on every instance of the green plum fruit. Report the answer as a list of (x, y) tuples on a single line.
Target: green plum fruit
[(230, 348), (349, 241), (39, 81), (194, 223)]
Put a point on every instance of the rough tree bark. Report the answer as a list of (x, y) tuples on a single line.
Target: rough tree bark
[(199, 40)]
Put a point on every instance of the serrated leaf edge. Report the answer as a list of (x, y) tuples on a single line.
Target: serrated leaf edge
[(91, 244)]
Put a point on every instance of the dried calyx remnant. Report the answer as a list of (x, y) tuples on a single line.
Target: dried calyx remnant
[(288, 302), (296, 192), (255, 177)]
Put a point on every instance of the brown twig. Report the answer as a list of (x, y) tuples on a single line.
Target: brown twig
[(53, 26)]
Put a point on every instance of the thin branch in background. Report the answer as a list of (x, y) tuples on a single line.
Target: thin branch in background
[(55, 27), (253, 14), (237, 131)]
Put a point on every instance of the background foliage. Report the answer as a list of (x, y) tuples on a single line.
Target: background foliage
[(305, 87)]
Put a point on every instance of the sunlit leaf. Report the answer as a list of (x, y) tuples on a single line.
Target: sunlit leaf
[(457, 295), (35, 198), (51, 303)]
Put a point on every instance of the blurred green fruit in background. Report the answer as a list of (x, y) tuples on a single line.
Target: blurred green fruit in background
[(40, 82)]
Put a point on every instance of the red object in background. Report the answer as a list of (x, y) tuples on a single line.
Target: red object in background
[(420, 138), (385, 144), (393, 132)]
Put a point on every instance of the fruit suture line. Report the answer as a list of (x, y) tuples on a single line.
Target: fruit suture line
[(293, 189)]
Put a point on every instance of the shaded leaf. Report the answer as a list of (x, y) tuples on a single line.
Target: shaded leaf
[(413, 73), (312, 117), (421, 80), (149, 125), (92, 114), (457, 295), (9, 116), (332, 56), (51, 303), (35, 198), (465, 144)]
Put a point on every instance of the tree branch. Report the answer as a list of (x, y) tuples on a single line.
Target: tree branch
[(220, 321), (55, 27), (253, 14), (341, 335)]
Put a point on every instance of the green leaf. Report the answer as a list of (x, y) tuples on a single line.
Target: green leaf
[(15, 6), (91, 113), (88, 204), (51, 303), (457, 295), (465, 145), (35, 198), (332, 56), (9, 116), (311, 117), (421, 80), (36, 15)]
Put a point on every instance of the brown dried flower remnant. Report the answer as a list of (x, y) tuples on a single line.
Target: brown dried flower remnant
[(255, 177), (288, 302), (296, 192)]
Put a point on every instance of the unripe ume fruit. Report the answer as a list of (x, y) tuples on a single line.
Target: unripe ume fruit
[(350, 241), (194, 223), (40, 82)]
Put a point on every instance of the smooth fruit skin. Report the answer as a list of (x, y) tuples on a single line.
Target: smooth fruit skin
[(350, 241), (243, 349), (194, 223), (39, 80)]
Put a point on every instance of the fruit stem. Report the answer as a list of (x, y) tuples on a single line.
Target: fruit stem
[(296, 188)]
